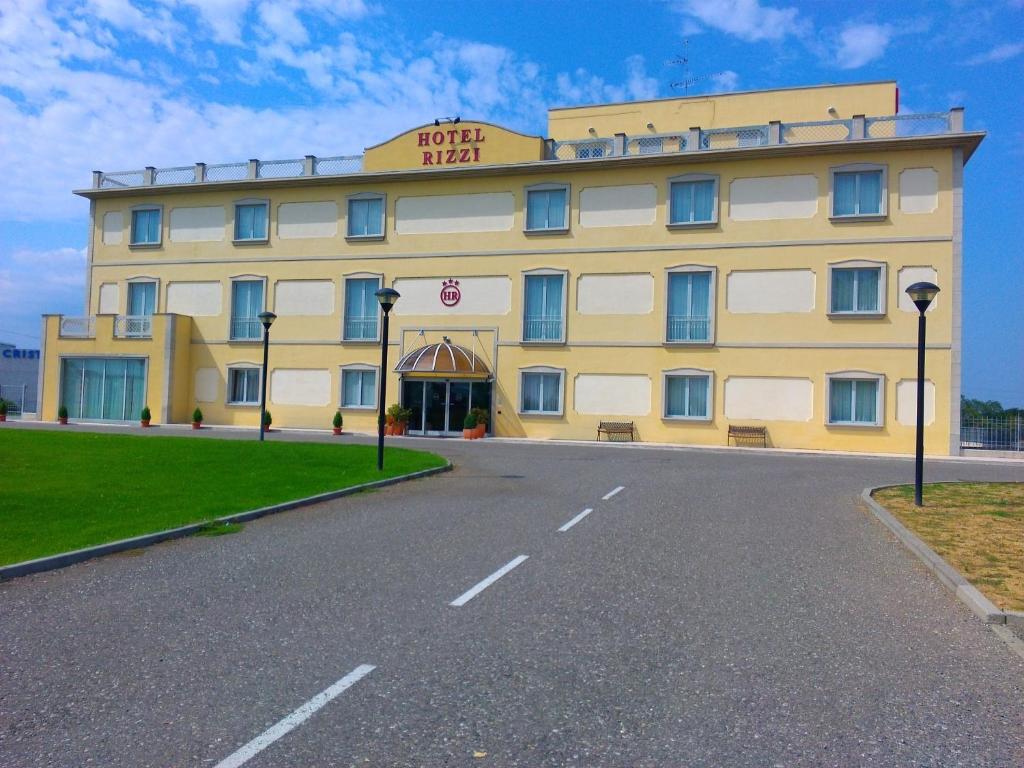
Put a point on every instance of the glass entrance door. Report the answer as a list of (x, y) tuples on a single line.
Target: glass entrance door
[(439, 406)]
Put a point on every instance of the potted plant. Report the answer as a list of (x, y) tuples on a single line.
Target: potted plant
[(197, 419), (267, 421), (469, 426), (62, 415), (406, 417), (337, 422), (3, 409), (145, 416), (482, 419), (395, 425)]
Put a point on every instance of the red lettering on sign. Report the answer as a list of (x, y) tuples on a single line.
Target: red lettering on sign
[(450, 293), (464, 155), (466, 135), (437, 137), (424, 138), (451, 155), (479, 135), (476, 152), (428, 158), (452, 135)]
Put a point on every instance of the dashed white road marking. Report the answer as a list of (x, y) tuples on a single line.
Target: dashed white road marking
[(465, 597), (295, 719), (612, 493), (575, 520)]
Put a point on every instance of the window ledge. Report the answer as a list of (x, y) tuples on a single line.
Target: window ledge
[(670, 343), (366, 408), (561, 231), (689, 419), (692, 225), (361, 341), (241, 405), (543, 414), (853, 425), (248, 241), (245, 341), (543, 342), (856, 315), (858, 217), (363, 238), (145, 246)]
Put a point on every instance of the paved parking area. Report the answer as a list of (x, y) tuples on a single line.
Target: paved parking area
[(720, 608)]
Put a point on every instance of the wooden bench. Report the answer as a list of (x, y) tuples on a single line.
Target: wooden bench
[(610, 428), (737, 433)]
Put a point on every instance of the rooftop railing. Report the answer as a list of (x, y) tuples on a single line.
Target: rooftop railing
[(695, 139)]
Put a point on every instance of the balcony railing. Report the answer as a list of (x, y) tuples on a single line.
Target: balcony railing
[(133, 327), (361, 329), (542, 329), (688, 328), (857, 128), (78, 327), (246, 329)]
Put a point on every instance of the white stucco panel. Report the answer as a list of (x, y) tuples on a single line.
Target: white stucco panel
[(906, 402), (110, 299), (300, 386), (612, 395), (113, 228), (910, 275), (195, 299), (615, 294), (196, 225), (478, 296), (490, 212), (304, 297), (770, 291), (627, 206), (301, 220), (768, 399), (773, 197), (919, 190), (207, 385)]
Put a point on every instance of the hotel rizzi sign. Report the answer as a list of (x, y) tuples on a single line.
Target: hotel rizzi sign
[(450, 293), (450, 147)]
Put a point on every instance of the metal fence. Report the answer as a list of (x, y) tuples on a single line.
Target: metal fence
[(19, 399), (998, 434)]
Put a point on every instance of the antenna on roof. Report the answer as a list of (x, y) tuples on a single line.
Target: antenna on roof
[(688, 79)]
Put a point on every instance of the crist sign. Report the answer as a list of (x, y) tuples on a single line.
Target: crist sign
[(450, 293), (450, 147)]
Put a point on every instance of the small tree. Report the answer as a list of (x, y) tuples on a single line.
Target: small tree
[(62, 412), (267, 420), (3, 407), (470, 421), (197, 416), (145, 415), (337, 420)]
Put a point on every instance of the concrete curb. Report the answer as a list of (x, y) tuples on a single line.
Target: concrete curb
[(64, 559), (947, 574)]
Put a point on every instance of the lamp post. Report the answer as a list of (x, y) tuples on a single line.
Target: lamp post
[(921, 294), (387, 298), (267, 318)]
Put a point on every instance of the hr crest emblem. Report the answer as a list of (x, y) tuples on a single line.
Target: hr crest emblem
[(450, 293)]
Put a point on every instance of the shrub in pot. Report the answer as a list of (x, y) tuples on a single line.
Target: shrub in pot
[(197, 419), (267, 421), (62, 415), (395, 425), (482, 420), (337, 422), (3, 409), (469, 426), (145, 416)]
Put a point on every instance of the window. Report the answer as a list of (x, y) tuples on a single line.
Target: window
[(547, 208), (243, 386), (689, 306), (358, 388), (541, 391), (858, 191), (856, 288), (246, 305), (693, 199), (141, 299), (687, 395), (855, 399), (366, 216), (361, 309), (543, 308), (108, 389), (146, 226), (251, 222)]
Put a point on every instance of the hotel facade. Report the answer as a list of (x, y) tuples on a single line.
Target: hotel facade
[(683, 264)]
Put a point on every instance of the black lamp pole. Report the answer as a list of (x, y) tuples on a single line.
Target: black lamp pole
[(921, 294), (267, 318), (387, 298)]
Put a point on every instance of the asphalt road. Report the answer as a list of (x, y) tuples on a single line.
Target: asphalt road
[(722, 609)]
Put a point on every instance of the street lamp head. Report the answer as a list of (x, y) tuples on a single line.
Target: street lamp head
[(267, 318), (387, 298), (922, 294)]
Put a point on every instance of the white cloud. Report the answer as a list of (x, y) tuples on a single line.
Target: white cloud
[(746, 19), (860, 44), (1000, 53), (36, 282), (726, 81)]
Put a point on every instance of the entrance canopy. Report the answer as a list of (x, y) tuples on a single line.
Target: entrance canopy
[(443, 360)]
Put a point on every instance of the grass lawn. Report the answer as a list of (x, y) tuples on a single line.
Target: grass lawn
[(977, 527), (68, 490)]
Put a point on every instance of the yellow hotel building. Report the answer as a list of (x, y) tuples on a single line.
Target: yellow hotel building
[(684, 264)]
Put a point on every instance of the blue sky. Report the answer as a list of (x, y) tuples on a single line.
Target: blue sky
[(120, 84)]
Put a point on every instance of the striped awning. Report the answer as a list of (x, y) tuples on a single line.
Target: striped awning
[(443, 360)]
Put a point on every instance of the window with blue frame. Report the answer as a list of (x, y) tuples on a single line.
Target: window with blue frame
[(687, 396), (547, 209), (857, 193), (689, 306), (251, 222), (358, 388), (541, 392), (856, 291), (246, 305), (543, 314), (243, 386), (853, 401), (366, 216), (693, 201), (361, 309), (145, 226)]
